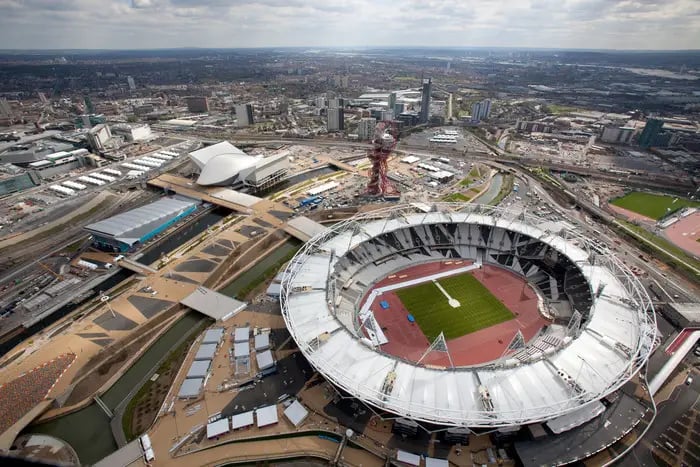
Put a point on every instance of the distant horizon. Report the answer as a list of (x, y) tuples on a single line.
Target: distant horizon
[(365, 47)]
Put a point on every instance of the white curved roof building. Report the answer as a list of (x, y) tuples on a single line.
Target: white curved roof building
[(324, 283), (223, 164)]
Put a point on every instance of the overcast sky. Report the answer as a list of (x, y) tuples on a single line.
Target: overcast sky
[(138, 24)]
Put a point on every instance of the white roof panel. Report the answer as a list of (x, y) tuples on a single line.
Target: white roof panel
[(217, 428), (266, 415), (296, 413), (242, 420)]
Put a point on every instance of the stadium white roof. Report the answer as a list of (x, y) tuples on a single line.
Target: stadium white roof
[(266, 415), (296, 413), (130, 226), (213, 304), (242, 420), (306, 226), (612, 345)]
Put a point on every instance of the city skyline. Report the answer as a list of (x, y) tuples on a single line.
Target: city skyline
[(148, 24)]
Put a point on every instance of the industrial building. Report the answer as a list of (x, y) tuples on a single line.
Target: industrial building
[(130, 229), (197, 104), (132, 133), (98, 137), (223, 164)]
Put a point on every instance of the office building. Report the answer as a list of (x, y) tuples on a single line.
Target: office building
[(132, 84), (399, 108), (321, 102), (197, 104), (336, 119), (392, 100), (365, 129), (449, 102), (425, 101), (650, 134), (244, 115)]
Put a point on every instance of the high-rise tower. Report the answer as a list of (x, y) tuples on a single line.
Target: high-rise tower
[(425, 101)]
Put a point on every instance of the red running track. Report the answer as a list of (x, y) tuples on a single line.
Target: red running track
[(407, 341), (678, 341), (685, 233)]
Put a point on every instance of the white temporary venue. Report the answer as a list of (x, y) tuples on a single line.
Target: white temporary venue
[(62, 190), (242, 420), (322, 188), (296, 413), (112, 172), (266, 415), (435, 462), (91, 180), (104, 177), (217, 428), (74, 185), (407, 458)]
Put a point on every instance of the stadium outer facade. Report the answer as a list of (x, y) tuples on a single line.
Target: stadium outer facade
[(608, 340)]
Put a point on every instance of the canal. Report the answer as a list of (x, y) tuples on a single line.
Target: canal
[(256, 273), (88, 430), (493, 190)]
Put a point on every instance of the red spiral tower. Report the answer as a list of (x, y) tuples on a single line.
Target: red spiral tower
[(383, 143)]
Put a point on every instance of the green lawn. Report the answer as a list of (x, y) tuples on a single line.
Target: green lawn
[(478, 308), (651, 205), (455, 197)]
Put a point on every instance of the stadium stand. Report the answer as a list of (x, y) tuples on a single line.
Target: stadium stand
[(564, 370), (20, 395)]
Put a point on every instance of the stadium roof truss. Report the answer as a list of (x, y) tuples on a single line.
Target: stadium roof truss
[(323, 285)]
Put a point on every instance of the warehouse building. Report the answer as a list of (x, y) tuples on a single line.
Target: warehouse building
[(129, 230)]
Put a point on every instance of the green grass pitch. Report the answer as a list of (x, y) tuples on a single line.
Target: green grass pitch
[(650, 205), (478, 308)]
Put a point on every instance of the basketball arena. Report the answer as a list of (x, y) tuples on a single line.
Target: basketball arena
[(465, 315)]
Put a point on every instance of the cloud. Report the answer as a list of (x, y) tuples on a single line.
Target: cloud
[(630, 24)]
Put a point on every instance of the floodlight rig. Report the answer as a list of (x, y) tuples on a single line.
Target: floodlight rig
[(383, 143)]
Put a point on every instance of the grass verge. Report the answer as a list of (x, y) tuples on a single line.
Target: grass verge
[(652, 205)]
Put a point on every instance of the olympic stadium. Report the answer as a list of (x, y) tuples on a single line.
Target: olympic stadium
[(577, 324)]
